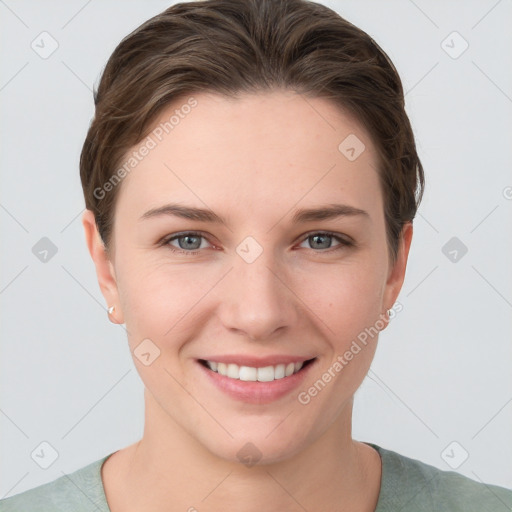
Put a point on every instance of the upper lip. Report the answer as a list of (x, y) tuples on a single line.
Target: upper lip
[(257, 361)]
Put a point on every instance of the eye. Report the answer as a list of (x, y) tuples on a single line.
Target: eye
[(187, 243), (191, 242), (322, 240)]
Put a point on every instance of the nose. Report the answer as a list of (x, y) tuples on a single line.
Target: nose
[(257, 298)]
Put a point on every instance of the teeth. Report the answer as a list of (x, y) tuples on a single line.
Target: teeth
[(233, 371), (279, 371), (248, 373), (266, 374)]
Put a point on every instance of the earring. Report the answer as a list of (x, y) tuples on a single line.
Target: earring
[(111, 309)]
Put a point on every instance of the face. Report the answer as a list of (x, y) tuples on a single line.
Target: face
[(249, 259)]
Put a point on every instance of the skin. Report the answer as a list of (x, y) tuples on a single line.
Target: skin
[(254, 160)]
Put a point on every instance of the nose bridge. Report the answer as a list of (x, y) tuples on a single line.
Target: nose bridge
[(256, 302)]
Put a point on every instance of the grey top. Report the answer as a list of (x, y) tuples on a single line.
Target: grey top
[(407, 485)]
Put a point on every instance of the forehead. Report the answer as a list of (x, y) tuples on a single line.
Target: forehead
[(272, 148)]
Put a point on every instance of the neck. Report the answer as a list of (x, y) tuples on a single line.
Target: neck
[(169, 470)]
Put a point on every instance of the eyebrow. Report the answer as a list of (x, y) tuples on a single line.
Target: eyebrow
[(185, 212), (331, 211)]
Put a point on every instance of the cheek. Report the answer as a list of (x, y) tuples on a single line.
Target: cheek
[(346, 298), (162, 303), (349, 304), (161, 300)]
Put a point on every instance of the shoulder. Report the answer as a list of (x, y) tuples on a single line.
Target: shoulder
[(412, 485), (81, 490)]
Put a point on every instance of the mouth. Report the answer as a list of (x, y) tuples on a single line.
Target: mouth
[(267, 373), (261, 383)]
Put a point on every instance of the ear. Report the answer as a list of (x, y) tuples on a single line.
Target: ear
[(104, 267), (396, 273)]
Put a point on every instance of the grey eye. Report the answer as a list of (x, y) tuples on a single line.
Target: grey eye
[(187, 242), (320, 241)]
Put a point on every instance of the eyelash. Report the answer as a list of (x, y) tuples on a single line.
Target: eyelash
[(343, 243)]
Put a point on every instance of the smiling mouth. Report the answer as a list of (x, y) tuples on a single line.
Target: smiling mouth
[(253, 374)]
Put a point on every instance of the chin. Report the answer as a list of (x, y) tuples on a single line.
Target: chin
[(257, 443)]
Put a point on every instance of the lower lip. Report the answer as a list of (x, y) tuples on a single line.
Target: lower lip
[(256, 392)]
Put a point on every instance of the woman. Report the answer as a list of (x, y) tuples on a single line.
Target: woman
[(251, 179)]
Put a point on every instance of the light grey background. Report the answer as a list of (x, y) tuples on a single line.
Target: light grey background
[(442, 369)]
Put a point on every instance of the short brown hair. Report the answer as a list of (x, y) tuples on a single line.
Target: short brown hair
[(234, 46)]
